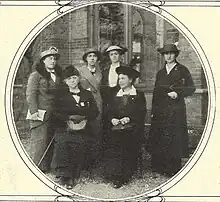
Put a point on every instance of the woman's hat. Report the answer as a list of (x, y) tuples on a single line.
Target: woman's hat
[(91, 50), (70, 71), (168, 48), (129, 71), (120, 49), (51, 51), (135, 60)]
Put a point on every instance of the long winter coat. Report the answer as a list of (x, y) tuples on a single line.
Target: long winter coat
[(40, 94), (168, 134), (123, 146)]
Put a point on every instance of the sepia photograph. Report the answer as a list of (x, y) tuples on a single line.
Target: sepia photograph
[(110, 100)]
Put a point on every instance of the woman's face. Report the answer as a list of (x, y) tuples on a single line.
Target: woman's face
[(170, 57), (72, 81), (50, 62), (124, 81), (91, 59), (114, 56)]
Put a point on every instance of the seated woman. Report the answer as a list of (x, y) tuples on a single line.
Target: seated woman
[(75, 110), (127, 109)]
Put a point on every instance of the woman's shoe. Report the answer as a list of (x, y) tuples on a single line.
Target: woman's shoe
[(69, 184), (117, 184)]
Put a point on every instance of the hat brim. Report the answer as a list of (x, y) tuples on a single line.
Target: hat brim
[(57, 55), (121, 51), (97, 53), (162, 51), (129, 72)]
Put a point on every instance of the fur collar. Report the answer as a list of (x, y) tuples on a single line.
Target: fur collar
[(43, 72)]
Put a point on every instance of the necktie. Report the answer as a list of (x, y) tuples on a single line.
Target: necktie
[(53, 75), (78, 94)]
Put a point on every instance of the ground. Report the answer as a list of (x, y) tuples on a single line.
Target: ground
[(95, 186)]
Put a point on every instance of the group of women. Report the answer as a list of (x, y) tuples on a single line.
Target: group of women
[(79, 115)]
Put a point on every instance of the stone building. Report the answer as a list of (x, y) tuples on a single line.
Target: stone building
[(141, 31)]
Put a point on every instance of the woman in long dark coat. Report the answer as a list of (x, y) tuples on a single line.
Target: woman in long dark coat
[(168, 140), (41, 90), (126, 114), (75, 110)]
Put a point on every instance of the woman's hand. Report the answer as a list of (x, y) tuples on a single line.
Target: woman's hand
[(34, 116), (125, 120), (173, 95), (115, 121)]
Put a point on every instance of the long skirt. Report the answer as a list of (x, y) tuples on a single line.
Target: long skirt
[(121, 155), (71, 151), (41, 136)]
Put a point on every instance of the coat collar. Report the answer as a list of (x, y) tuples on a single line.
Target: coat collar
[(133, 91), (93, 80), (43, 72)]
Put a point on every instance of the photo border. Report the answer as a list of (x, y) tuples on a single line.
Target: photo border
[(63, 10)]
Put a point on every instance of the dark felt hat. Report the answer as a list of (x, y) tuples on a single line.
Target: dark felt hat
[(127, 70), (70, 71), (91, 50), (168, 48)]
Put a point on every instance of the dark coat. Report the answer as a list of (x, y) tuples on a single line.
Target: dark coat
[(105, 75), (71, 147), (66, 105), (168, 134), (123, 146)]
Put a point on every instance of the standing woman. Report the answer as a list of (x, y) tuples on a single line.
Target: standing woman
[(168, 140), (126, 114), (110, 77), (41, 90), (75, 111), (90, 79)]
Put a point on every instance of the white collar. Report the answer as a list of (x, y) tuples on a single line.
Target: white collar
[(133, 91), (115, 66), (92, 69), (169, 69), (50, 71)]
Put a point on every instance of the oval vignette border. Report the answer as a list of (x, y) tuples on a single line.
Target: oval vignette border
[(150, 7)]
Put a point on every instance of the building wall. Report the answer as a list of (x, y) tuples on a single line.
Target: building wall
[(76, 31)]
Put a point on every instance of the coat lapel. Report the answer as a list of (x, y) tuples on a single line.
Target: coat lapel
[(93, 80)]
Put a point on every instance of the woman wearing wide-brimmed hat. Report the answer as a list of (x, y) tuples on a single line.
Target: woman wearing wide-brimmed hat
[(126, 114), (110, 77), (90, 79), (41, 91), (75, 110), (168, 140)]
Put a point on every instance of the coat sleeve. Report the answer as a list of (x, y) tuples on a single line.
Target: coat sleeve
[(155, 96), (32, 92), (186, 87), (93, 109), (59, 112), (138, 114)]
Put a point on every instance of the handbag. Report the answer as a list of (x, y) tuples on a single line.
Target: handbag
[(80, 125), (122, 127)]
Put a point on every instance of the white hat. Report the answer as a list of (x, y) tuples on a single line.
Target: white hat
[(51, 51), (118, 48)]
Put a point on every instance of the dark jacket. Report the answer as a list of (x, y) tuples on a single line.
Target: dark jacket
[(66, 105)]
